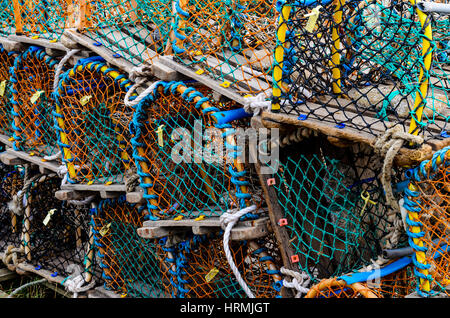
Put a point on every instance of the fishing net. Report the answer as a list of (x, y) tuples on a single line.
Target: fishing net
[(132, 266), (136, 30), (41, 18), (32, 85), (57, 236), (333, 206), (426, 203), (93, 122), (7, 18), (203, 270), (231, 41), (11, 225), (361, 64), (6, 62), (178, 146)]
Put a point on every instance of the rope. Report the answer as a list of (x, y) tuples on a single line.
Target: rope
[(53, 157), (26, 285), (11, 254), (387, 146), (139, 75), (254, 104), (299, 281), (74, 284), (227, 221), (59, 68), (131, 182)]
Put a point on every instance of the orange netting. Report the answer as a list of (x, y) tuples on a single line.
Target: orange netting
[(131, 265), (93, 122), (205, 273), (32, 85), (183, 173), (6, 61)]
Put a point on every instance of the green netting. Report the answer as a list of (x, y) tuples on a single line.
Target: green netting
[(6, 62), (322, 193), (7, 18), (359, 65), (132, 266)]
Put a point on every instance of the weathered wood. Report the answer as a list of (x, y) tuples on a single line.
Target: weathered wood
[(49, 165), (58, 289), (65, 195), (101, 292), (109, 194), (6, 274), (41, 272), (38, 42), (243, 230), (115, 187), (6, 140), (10, 45), (11, 160)]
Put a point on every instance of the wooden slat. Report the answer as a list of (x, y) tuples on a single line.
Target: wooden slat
[(49, 165)]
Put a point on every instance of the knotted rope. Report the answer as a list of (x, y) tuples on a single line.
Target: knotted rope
[(139, 75), (75, 284), (387, 146), (299, 281), (227, 221), (12, 257), (254, 104), (131, 181)]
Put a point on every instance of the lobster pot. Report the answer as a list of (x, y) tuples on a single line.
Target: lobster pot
[(426, 203), (93, 121), (57, 236), (332, 207), (132, 266), (363, 64), (231, 42), (6, 62), (42, 18), (32, 84), (185, 155), (204, 272), (395, 285), (136, 30), (11, 221)]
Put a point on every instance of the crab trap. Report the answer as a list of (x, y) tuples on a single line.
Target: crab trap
[(329, 209), (6, 62), (57, 237), (132, 266), (366, 65), (92, 122), (32, 84), (185, 150)]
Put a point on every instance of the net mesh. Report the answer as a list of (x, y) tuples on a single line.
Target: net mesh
[(6, 62), (7, 18), (203, 270), (56, 236), (427, 202), (333, 201), (32, 85), (181, 174), (132, 266), (363, 64), (93, 122)]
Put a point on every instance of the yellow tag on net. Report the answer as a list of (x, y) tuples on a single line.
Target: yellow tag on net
[(313, 16), (49, 215), (212, 273), (105, 229), (85, 99), (2, 87), (160, 131), (36, 96)]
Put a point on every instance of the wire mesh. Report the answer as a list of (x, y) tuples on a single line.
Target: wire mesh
[(6, 62), (92, 122)]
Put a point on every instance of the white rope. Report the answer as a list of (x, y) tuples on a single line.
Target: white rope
[(75, 284), (227, 221), (139, 75), (254, 104), (58, 68), (25, 286), (53, 157), (299, 281), (61, 171), (85, 201)]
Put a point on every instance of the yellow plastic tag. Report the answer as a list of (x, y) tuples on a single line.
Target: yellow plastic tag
[(85, 99), (200, 71), (212, 273), (90, 182), (2, 87), (53, 41), (108, 183), (160, 131), (313, 16), (35, 37), (105, 229), (49, 215), (178, 218), (31, 154), (201, 217), (36, 96), (225, 84)]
